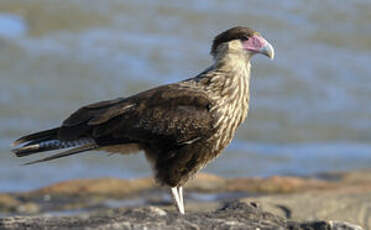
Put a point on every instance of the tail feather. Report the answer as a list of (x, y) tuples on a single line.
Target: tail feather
[(33, 148), (43, 146), (48, 140), (38, 137), (65, 154)]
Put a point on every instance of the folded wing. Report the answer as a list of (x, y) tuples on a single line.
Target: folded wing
[(167, 116), (170, 114)]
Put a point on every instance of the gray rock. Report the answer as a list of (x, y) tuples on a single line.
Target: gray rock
[(343, 226), (350, 204), (233, 215)]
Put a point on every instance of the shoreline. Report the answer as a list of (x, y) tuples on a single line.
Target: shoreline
[(321, 197)]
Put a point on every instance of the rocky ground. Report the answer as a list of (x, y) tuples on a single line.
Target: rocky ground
[(327, 201), (234, 215)]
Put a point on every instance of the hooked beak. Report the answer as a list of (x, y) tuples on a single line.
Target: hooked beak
[(257, 44), (267, 50)]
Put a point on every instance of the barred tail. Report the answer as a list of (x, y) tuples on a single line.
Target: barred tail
[(32, 142), (70, 152), (43, 146), (47, 141)]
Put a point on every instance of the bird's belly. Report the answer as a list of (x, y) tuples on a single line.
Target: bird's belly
[(122, 149), (174, 167)]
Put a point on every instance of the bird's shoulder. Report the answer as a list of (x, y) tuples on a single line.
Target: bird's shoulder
[(171, 95)]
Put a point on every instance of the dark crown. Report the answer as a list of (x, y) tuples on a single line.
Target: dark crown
[(238, 32)]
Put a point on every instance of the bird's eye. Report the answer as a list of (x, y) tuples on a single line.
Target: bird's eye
[(245, 38)]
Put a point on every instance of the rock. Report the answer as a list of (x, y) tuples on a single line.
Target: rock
[(28, 208), (330, 196), (7, 202), (352, 177), (10, 204), (352, 204), (344, 226), (119, 188), (234, 215), (277, 184), (204, 182), (103, 186), (290, 184)]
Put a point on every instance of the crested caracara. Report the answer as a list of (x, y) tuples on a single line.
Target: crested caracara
[(180, 126)]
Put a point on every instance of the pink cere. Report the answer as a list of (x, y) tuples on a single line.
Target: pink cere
[(255, 43)]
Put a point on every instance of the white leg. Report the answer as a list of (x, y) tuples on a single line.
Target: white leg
[(180, 193), (174, 192)]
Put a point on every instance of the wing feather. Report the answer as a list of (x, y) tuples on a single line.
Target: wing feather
[(170, 114), (109, 114)]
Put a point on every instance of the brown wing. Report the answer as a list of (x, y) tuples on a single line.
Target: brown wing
[(168, 115)]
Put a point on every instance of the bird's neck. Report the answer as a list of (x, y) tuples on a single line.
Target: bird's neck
[(229, 83), (230, 80)]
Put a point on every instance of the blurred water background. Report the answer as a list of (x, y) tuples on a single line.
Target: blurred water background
[(310, 108)]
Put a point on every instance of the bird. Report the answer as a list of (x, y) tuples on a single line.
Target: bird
[(180, 126)]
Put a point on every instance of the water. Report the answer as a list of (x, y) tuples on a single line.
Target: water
[(310, 108)]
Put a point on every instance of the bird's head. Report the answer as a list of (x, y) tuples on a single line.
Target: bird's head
[(243, 40)]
